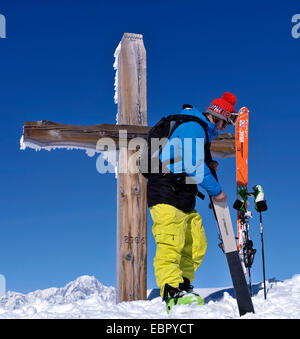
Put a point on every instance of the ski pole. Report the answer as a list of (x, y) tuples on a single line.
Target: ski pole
[(263, 254), (261, 206)]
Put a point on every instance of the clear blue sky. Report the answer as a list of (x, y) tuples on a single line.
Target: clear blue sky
[(57, 213)]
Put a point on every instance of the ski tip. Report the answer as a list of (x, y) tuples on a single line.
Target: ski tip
[(244, 110)]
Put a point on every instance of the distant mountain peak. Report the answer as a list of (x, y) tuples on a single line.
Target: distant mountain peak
[(81, 288)]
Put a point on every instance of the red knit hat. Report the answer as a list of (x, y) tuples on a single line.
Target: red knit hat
[(223, 108)]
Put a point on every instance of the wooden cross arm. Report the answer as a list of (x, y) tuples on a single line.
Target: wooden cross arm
[(51, 134), (43, 134)]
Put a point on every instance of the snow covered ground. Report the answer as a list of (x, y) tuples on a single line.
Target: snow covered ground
[(88, 298)]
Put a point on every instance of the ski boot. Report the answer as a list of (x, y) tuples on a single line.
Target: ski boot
[(183, 295)]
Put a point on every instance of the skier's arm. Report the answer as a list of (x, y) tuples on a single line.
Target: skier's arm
[(209, 183), (187, 141)]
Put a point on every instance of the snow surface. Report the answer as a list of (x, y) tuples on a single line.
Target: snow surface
[(86, 297)]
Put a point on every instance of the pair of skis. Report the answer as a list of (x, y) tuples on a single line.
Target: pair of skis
[(231, 252), (245, 245), (239, 257), (230, 249)]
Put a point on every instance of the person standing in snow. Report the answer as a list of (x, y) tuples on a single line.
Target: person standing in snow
[(177, 227)]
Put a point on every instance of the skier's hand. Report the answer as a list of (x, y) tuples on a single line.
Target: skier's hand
[(214, 165), (220, 197)]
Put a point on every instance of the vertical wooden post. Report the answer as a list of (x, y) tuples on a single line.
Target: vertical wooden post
[(131, 197)]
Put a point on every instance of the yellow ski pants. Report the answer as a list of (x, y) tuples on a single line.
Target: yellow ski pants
[(180, 244)]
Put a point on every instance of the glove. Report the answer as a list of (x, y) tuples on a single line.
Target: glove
[(259, 199), (241, 198)]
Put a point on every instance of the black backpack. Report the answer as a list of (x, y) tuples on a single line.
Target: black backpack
[(162, 131)]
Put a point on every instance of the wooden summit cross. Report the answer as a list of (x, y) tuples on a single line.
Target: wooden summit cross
[(131, 195)]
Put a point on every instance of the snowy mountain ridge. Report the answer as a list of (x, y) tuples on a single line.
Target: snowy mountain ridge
[(79, 289), (86, 297)]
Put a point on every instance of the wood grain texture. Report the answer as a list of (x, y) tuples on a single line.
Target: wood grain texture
[(46, 133), (132, 202)]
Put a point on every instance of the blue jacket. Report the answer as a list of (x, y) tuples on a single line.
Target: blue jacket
[(186, 148)]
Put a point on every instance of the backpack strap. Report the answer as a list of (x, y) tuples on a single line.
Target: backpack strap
[(181, 118)]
